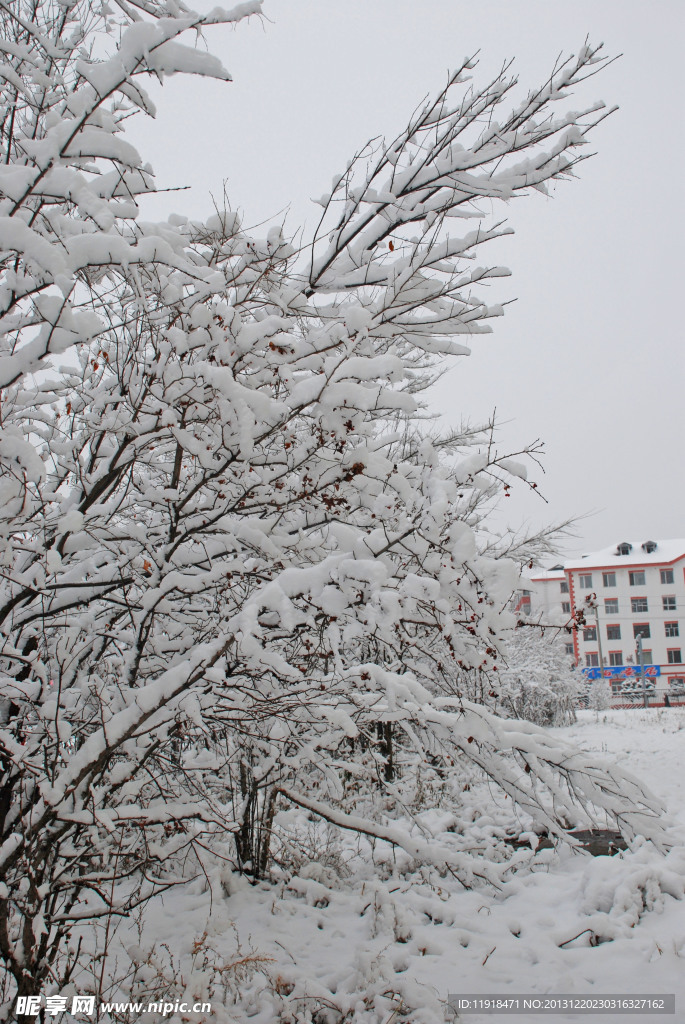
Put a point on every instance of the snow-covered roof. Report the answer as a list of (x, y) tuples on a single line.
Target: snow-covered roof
[(664, 551), (548, 574)]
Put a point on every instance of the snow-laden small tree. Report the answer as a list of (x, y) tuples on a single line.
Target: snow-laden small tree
[(538, 681), (228, 547), (599, 696)]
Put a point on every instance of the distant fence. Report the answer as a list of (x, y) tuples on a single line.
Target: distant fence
[(658, 698)]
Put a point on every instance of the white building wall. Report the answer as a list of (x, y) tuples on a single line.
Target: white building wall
[(604, 646), (549, 599), (629, 617)]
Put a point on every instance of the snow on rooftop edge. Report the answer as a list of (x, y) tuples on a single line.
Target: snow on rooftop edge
[(664, 552), (548, 574)]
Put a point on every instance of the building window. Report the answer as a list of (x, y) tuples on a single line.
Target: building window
[(637, 578), (585, 581), (592, 659), (611, 606), (568, 648), (613, 632), (609, 579), (667, 575), (672, 629), (674, 656), (646, 657), (638, 604), (668, 603), (590, 633), (615, 658), (566, 607), (641, 629), (563, 586)]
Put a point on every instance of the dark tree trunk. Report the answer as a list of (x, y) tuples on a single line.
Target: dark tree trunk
[(385, 736)]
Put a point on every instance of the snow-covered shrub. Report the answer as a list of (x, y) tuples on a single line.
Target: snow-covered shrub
[(145, 973), (538, 681), (230, 552), (307, 848), (626, 888), (634, 688), (598, 696)]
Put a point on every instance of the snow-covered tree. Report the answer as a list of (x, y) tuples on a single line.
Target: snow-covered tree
[(599, 696), (228, 547), (538, 681)]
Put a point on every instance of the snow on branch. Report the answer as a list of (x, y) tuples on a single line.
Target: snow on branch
[(383, 231)]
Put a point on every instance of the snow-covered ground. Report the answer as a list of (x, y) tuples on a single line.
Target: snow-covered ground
[(356, 935)]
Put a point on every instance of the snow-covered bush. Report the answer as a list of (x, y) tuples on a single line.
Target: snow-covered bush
[(598, 696), (230, 554), (635, 688), (538, 681)]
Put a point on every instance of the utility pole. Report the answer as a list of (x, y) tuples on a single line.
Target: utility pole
[(599, 642), (640, 658)]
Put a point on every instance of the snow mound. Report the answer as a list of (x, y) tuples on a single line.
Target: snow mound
[(625, 888)]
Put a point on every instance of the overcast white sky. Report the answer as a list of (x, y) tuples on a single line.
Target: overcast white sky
[(590, 357)]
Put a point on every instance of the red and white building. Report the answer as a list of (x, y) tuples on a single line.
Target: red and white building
[(634, 588)]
